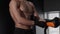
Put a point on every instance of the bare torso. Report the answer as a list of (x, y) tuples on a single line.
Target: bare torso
[(26, 10)]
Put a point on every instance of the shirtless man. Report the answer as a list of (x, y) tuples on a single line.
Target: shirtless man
[(20, 11)]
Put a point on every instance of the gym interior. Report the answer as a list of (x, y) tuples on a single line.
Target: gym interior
[(47, 9)]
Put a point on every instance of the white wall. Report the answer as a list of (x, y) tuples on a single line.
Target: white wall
[(40, 30), (50, 15)]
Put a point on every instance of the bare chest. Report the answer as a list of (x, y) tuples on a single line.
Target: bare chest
[(26, 9)]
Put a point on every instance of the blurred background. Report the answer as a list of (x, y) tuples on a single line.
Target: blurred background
[(47, 9)]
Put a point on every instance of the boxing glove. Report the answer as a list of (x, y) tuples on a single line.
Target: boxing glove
[(56, 21)]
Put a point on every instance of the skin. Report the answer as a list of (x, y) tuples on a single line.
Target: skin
[(18, 8), (15, 11)]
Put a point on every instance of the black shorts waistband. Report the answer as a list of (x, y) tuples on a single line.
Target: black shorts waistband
[(23, 29)]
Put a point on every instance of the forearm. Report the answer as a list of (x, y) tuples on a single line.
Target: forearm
[(25, 21), (21, 20), (16, 17)]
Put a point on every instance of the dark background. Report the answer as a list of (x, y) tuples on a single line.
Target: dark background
[(6, 23)]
